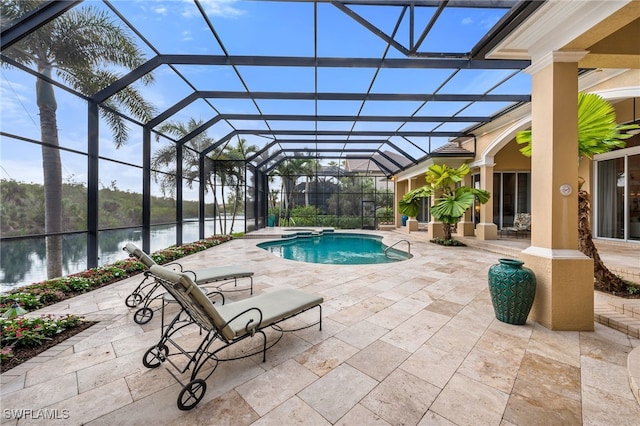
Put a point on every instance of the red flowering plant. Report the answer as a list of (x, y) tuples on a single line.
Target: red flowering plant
[(24, 332), (173, 253), (130, 266)]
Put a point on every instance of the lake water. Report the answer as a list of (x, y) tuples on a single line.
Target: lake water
[(23, 262)]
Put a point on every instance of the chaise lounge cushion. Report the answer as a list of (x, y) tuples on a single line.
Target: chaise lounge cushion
[(220, 273), (200, 276), (274, 306), (257, 312)]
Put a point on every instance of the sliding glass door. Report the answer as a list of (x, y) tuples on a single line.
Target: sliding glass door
[(617, 200), (633, 183), (511, 194)]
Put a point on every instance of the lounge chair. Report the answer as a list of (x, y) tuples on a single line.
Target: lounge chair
[(146, 292), (225, 325), (521, 225)]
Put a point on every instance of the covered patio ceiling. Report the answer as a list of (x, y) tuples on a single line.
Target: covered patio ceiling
[(389, 82)]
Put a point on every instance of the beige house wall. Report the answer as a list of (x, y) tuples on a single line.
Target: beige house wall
[(600, 38), (628, 78), (401, 188), (511, 159), (496, 148), (625, 109)]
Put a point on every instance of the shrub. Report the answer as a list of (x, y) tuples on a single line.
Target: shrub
[(448, 242), (130, 266), (27, 300), (26, 332)]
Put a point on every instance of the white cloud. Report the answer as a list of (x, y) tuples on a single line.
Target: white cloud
[(186, 36), (467, 21), (489, 22), (160, 10), (223, 8)]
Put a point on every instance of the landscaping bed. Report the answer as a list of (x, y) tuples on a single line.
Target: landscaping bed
[(45, 293), (25, 337)]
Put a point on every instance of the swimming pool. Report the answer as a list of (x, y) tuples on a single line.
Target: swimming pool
[(335, 248)]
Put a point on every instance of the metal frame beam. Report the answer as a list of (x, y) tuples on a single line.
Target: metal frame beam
[(293, 61), (328, 150), (389, 160), (340, 141), (328, 96), (30, 22), (367, 118), (476, 4), (351, 157), (93, 179)]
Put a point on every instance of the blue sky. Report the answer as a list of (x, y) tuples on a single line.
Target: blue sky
[(258, 28)]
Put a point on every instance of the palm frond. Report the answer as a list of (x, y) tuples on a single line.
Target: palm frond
[(117, 125), (597, 129), (524, 138), (451, 207), (88, 37), (410, 203)]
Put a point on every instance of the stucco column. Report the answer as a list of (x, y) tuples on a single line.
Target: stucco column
[(486, 229), (466, 227), (564, 295), (400, 188), (412, 222)]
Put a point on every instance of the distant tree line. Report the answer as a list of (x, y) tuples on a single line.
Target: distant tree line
[(22, 211)]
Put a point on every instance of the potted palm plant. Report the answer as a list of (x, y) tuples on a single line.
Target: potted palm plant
[(452, 199)]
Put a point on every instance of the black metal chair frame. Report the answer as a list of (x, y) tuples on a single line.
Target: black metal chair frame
[(193, 391), (144, 295)]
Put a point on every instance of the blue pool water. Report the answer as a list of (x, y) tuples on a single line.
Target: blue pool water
[(335, 248)]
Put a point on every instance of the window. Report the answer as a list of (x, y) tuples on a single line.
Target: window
[(511, 194), (617, 195)]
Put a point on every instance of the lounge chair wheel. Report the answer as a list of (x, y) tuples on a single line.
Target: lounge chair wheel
[(154, 356), (143, 315), (191, 394), (133, 300)]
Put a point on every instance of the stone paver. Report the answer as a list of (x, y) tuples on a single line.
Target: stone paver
[(415, 342)]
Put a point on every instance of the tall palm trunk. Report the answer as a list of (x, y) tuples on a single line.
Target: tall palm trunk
[(288, 188), (212, 184), (52, 171), (604, 279), (223, 215), (236, 204), (447, 229), (306, 192)]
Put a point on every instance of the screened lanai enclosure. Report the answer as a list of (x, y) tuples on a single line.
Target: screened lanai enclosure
[(165, 122)]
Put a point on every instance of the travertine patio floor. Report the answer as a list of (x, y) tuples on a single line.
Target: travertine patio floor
[(414, 342)]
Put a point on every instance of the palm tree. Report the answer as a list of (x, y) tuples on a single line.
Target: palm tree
[(452, 200), (309, 171), (164, 160), (235, 171), (289, 171), (597, 133), (228, 169), (79, 45)]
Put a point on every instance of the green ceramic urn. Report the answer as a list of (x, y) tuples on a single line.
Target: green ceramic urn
[(512, 289)]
